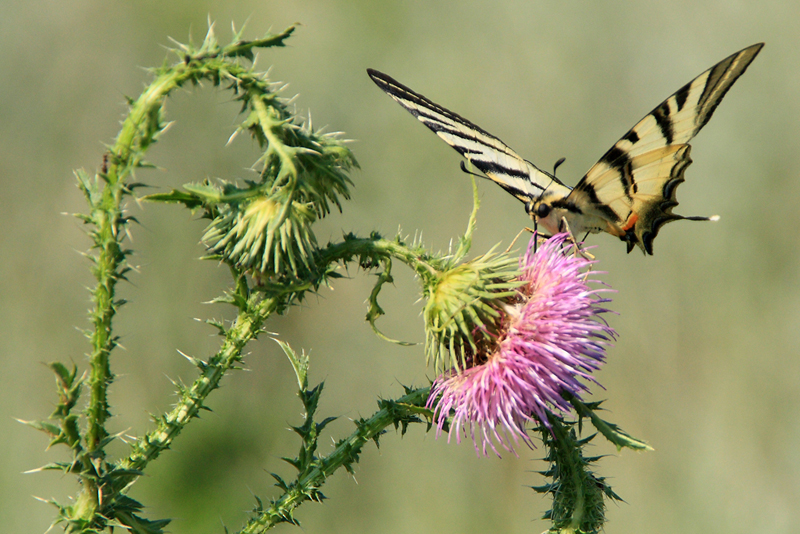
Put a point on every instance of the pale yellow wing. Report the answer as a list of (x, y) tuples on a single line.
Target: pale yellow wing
[(488, 153), (633, 185)]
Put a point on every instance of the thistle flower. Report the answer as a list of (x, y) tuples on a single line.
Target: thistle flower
[(549, 337)]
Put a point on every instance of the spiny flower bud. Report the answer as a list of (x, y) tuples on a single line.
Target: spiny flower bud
[(266, 235)]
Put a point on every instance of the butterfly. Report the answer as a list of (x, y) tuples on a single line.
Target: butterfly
[(629, 193)]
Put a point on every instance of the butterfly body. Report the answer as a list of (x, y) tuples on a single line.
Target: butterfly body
[(629, 193)]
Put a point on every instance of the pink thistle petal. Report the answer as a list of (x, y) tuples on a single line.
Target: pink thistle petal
[(550, 339)]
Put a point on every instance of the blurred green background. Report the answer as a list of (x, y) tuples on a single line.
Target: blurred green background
[(706, 367)]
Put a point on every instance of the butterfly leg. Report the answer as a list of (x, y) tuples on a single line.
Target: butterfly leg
[(578, 249), (515, 240)]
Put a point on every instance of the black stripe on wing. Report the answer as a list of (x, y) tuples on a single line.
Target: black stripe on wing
[(486, 165), (402, 92), (720, 79), (487, 152), (613, 187), (681, 116)]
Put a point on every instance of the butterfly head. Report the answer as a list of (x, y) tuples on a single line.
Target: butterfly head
[(545, 214), (557, 213)]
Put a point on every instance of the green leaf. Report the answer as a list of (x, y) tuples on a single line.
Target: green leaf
[(48, 428), (67, 378), (65, 467), (189, 200), (205, 191), (325, 422), (241, 48), (299, 364), (610, 431)]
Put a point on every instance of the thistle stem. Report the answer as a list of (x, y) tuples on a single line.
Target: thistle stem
[(138, 132), (346, 451), (421, 262), (247, 326)]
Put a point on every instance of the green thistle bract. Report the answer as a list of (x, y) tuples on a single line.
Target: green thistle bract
[(270, 236), (462, 308)]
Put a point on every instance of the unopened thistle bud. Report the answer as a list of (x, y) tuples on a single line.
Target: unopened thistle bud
[(270, 236)]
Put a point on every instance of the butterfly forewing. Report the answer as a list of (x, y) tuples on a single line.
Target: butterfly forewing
[(488, 153)]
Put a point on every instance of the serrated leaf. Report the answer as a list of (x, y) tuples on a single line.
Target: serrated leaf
[(279, 481), (53, 466), (299, 364), (610, 431), (66, 377), (244, 49), (122, 473), (206, 192), (546, 488), (175, 196), (325, 423), (259, 504), (48, 428)]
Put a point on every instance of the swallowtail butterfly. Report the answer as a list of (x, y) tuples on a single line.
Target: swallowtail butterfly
[(629, 193)]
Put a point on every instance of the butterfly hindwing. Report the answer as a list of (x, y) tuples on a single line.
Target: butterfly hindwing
[(634, 183), (488, 153)]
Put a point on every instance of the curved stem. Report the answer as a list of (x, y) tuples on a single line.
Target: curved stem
[(374, 247), (105, 195), (247, 327), (400, 411)]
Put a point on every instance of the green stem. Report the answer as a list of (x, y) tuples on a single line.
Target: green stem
[(127, 153), (421, 262), (138, 132), (247, 326), (571, 468), (267, 123), (391, 413), (579, 495), (96, 503), (110, 267), (107, 272)]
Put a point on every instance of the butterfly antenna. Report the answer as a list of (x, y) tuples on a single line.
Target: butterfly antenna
[(558, 164), (545, 189)]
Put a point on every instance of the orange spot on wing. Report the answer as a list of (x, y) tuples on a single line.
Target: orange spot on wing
[(631, 221)]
